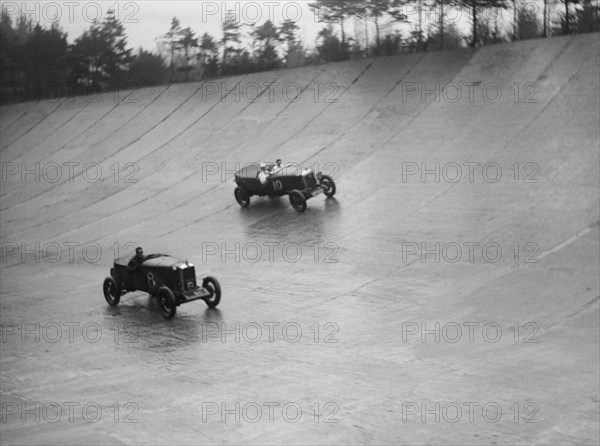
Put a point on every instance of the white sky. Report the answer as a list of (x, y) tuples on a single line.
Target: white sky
[(145, 21)]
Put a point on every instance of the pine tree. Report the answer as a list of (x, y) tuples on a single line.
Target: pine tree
[(335, 11), (100, 55), (267, 36), (188, 42), (375, 10), (117, 59), (475, 7), (208, 54), (231, 34), (148, 69), (173, 38)]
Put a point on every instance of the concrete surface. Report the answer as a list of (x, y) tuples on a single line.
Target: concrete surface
[(415, 327)]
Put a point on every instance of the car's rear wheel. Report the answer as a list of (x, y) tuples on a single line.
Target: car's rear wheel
[(328, 185), (212, 285), (297, 200), (166, 302), (112, 292), (242, 197)]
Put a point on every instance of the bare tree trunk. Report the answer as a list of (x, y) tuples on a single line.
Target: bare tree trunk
[(496, 30), (474, 41), (172, 63), (420, 41), (567, 31), (441, 24), (187, 65), (224, 56), (545, 17), (377, 35), (514, 19), (366, 36)]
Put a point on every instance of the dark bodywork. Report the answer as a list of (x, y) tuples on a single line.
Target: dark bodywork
[(278, 183), (288, 180), (160, 270)]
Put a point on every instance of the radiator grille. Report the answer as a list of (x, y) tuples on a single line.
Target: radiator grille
[(189, 279)]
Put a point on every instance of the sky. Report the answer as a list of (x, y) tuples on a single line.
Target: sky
[(145, 21)]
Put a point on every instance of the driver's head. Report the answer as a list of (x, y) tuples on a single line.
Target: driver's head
[(263, 166), (278, 161), (139, 252)]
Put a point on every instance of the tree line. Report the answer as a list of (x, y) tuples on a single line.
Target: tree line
[(38, 63)]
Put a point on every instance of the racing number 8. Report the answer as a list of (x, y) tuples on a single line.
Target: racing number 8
[(277, 185), (151, 281)]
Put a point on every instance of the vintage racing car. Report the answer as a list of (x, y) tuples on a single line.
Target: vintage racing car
[(300, 184), (171, 279)]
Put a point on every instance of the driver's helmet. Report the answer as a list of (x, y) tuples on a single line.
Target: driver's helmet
[(263, 166)]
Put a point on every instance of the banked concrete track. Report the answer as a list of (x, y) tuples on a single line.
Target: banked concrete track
[(511, 355)]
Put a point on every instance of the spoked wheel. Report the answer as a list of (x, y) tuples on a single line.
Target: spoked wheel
[(212, 285), (242, 197), (112, 292), (166, 302), (297, 200), (328, 186)]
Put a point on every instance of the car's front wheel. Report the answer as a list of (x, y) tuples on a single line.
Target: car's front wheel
[(112, 292), (212, 285), (166, 302), (242, 197), (328, 186), (297, 200)]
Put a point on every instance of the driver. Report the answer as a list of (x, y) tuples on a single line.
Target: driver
[(277, 165), (263, 175), (137, 260)]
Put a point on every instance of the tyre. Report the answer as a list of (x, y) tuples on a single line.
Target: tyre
[(112, 292), (298, 201), (212, 285), (166, 302), (328, 185), (242, 197)]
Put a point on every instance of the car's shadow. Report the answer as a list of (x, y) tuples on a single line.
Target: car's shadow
[(259, 205), (276, 218), (141, 323)]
